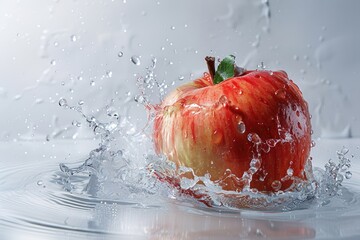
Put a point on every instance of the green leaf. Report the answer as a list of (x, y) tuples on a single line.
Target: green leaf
[(226, 69)]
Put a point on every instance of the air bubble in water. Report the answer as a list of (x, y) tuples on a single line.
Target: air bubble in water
[(135, 60)]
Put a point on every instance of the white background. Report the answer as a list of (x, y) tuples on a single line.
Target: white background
[(55, 49)]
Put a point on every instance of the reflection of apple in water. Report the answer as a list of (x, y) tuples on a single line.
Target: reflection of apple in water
[(254, 123)]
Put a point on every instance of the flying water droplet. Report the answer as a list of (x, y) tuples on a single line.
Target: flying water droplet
[(73, 38), (92, 83), (53, 62), (136, 60), (120, 54), (181, 78), (62, 102), (109, 74), (312, 144), (76, 123), (290, 172), (348, 175), (139, 99)]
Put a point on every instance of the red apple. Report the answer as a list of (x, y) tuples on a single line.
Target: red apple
[(255, 125)]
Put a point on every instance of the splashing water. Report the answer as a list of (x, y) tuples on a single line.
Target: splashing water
[(125, 166)]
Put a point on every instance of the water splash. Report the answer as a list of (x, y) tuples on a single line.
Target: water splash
[(125, 165)]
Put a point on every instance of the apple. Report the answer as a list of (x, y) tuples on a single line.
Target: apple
[(245, 128)]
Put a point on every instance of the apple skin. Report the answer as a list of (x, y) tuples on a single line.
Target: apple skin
[(214, 128)]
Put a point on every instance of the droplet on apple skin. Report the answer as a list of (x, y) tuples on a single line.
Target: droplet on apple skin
[(241, 127), (276, 185), (290, 172), (280, 93), (223, 100), (254, 138), (217, 137)]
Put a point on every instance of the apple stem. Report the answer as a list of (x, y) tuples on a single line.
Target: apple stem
[(210, 61)]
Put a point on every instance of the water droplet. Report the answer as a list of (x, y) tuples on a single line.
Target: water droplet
[(276, 185), (56, 44), (280, 93), (92, 83), (120, 54), (139, 99), (76, 123), (181, 78), (290, 172), (223, 100), (348, 175), (81, 102), (53, 62), (312, 144), (80, 78), (241, 127), (296, 57), (255, 163), (135, 60), (241, 92), (73, 38), (62, 102), (217, 137), (254, 138), (172, 28), (261, 66), (109, 74), (40, 183)]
